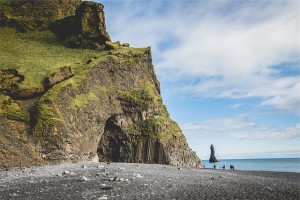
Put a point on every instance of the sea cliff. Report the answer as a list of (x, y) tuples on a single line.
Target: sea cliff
[(69, 94)]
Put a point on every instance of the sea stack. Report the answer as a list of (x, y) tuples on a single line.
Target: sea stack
[(212, 158)]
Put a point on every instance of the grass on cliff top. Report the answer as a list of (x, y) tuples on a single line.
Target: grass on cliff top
[(37, 55)]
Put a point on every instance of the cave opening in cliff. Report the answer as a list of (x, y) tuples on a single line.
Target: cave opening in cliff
[(112, 146)]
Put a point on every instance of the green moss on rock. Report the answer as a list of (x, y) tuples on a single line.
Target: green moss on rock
[(159, 128), (11, 109), (82, 100)]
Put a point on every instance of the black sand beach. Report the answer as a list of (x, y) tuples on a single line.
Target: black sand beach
[(102, 181)]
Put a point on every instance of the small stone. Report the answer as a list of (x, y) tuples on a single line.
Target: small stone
[(84, 178), (121, 179), (104, 197), (89, 61), (269, 188), (100, 166), (126, 180), (83, 167), (72, 174), (121, 168), (103, 185), (116, 179), (138, 176), (179, 168), (66, 172), (13, 195), (107, 188), (111, 179)]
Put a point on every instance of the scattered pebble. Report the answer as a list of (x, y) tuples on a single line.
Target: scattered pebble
[(121, 168), (84, 178), (104, 197), (13, 195), (66, 172), (107, 188), (269, 188), (89, 61), (100, 166), (83, 167), (137, 175)]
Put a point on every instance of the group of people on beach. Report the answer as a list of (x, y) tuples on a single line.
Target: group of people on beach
[(223, 167)]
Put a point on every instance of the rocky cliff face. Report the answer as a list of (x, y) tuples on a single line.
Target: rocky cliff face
[(102, 105)]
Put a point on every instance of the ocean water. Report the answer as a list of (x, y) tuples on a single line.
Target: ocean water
[(266, 164)]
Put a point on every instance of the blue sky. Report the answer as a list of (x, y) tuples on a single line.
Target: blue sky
[(229, 70)]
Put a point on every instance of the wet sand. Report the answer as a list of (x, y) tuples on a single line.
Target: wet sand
[(144, 181)]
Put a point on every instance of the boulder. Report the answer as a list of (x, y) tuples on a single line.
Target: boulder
[(57, 77), (91, 22), (35, 14), (86, 29)]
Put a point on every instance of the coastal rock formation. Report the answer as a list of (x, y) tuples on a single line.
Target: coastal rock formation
[(86, 29), (212, 158), (35, 14), (105, 107)]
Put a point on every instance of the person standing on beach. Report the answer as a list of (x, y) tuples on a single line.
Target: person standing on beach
[(214, 166)]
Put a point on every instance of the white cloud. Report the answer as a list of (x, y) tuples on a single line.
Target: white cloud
[(238, 128), (229, 47)]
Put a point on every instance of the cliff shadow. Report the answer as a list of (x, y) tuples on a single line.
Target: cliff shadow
[(113, 145)]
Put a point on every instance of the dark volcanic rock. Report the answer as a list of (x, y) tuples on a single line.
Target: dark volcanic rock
[(115, 115), (84, 30), (212, 158), (35, 14), (63, 74), (91, 22)]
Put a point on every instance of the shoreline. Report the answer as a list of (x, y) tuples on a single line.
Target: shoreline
[(87, 180)]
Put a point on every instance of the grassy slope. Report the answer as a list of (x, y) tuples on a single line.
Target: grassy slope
[(36, 55)]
